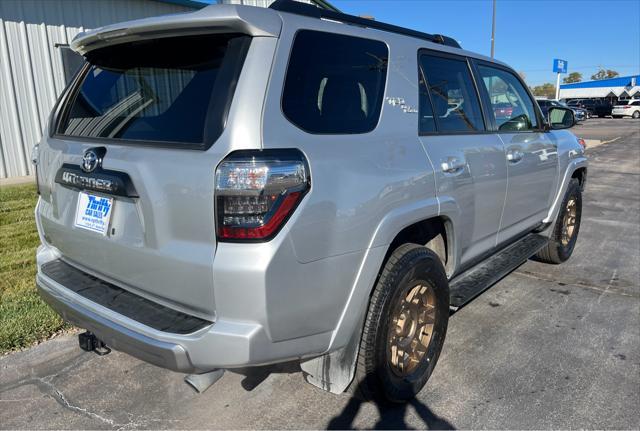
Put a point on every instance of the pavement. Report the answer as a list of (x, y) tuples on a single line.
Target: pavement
[(547, 347)]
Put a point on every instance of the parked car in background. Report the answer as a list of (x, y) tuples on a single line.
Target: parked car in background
[(627, 108), (599, 108), (585, 105), (603, 109), (579, 113), (503, 110)]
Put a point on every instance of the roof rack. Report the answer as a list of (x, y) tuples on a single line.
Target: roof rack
[(299, 8)]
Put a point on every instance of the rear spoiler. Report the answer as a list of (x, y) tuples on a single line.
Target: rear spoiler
[(248, 20)]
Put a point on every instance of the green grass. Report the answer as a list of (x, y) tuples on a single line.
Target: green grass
[(24, 317)]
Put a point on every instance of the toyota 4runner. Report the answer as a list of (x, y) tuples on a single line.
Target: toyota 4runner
[(241, 186)]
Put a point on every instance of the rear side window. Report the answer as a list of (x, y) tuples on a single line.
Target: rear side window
[(335, 83), (173, 90), (427, 123), (513, 109), (453, 95)]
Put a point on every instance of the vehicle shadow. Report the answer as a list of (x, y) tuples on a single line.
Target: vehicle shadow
[(254, 376), (392, 416)]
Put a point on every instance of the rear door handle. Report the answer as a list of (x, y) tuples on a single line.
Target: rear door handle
[(514, 156), (452, 165)]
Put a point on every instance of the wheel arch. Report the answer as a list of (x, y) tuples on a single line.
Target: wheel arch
[(435, 233), (581, 175), (576, 167)]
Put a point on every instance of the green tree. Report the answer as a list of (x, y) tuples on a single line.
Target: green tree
[(572, 77), (547, 90), (604, 74)]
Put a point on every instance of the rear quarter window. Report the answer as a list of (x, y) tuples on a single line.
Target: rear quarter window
[(334, 83)]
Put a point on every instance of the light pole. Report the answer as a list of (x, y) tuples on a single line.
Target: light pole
[(493, 29)]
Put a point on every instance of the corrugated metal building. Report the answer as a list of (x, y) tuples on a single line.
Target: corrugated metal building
[(35, 61)]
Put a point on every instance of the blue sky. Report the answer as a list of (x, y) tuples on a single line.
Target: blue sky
[(529, 34)]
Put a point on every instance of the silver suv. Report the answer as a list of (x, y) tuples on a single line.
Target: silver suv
[(242, 186)]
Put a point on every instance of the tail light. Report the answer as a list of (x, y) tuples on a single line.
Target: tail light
[(257, 191), (582, 143), (626, 107)]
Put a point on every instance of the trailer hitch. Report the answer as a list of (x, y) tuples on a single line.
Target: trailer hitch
[(90, 343)]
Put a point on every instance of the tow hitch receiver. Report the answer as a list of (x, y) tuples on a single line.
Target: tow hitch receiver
[(90, 343)]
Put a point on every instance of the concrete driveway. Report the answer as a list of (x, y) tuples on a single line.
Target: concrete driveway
[(547, 347)]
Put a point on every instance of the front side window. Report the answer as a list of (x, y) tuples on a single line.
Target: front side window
[(455, 101), (163, 90), (335, 83), (512, 107)]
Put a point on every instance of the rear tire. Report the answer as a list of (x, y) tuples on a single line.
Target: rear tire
[(405, 327), (565, 230), (636, 115)]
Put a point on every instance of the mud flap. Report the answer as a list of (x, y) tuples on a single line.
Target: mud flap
[(334, 371)]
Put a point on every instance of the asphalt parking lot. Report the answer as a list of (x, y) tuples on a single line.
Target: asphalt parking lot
[(547, 347)]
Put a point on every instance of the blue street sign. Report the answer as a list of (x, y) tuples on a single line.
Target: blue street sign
[(559, 66)]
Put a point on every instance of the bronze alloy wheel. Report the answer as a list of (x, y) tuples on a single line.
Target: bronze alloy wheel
[(569, 222), (410, 328)]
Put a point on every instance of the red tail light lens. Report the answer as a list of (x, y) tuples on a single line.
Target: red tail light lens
[(257, 191)]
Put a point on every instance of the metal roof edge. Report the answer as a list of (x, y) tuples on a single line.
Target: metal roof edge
[(618, 81), (195, 4)]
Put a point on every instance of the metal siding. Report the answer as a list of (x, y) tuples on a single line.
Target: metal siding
[(31, 72)]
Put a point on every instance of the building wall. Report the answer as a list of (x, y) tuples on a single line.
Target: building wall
[(31, 72)]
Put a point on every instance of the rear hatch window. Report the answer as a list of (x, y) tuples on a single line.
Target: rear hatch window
[(172, 91)]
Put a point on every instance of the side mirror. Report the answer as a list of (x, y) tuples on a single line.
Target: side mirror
[(560, 118)]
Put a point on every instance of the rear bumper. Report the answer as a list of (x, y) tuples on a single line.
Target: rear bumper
[(166, 355), (223, 344), (621, 113)]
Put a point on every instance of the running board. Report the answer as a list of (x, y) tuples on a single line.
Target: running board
[(471, 283)]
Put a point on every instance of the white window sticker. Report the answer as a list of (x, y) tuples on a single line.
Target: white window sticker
[(93, 212)]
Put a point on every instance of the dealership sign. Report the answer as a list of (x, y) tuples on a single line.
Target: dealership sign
[(559, 66)]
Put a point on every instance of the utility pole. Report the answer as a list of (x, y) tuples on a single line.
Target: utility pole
[(493, 29)]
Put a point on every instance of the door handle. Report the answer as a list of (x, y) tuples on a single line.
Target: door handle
[(452, 165), (514, 156)]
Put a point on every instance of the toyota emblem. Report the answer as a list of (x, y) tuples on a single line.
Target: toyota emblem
[(90, 161)]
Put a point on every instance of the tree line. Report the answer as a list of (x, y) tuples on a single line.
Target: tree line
[(548, 89)]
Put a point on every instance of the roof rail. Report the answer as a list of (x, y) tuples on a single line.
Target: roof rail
[(299, 8)]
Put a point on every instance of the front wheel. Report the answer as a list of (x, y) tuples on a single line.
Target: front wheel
[(636, 115), (565, 231), (405, 327)]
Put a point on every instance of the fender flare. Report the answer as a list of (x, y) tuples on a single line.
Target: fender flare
[(573, 166), (335, 370)]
